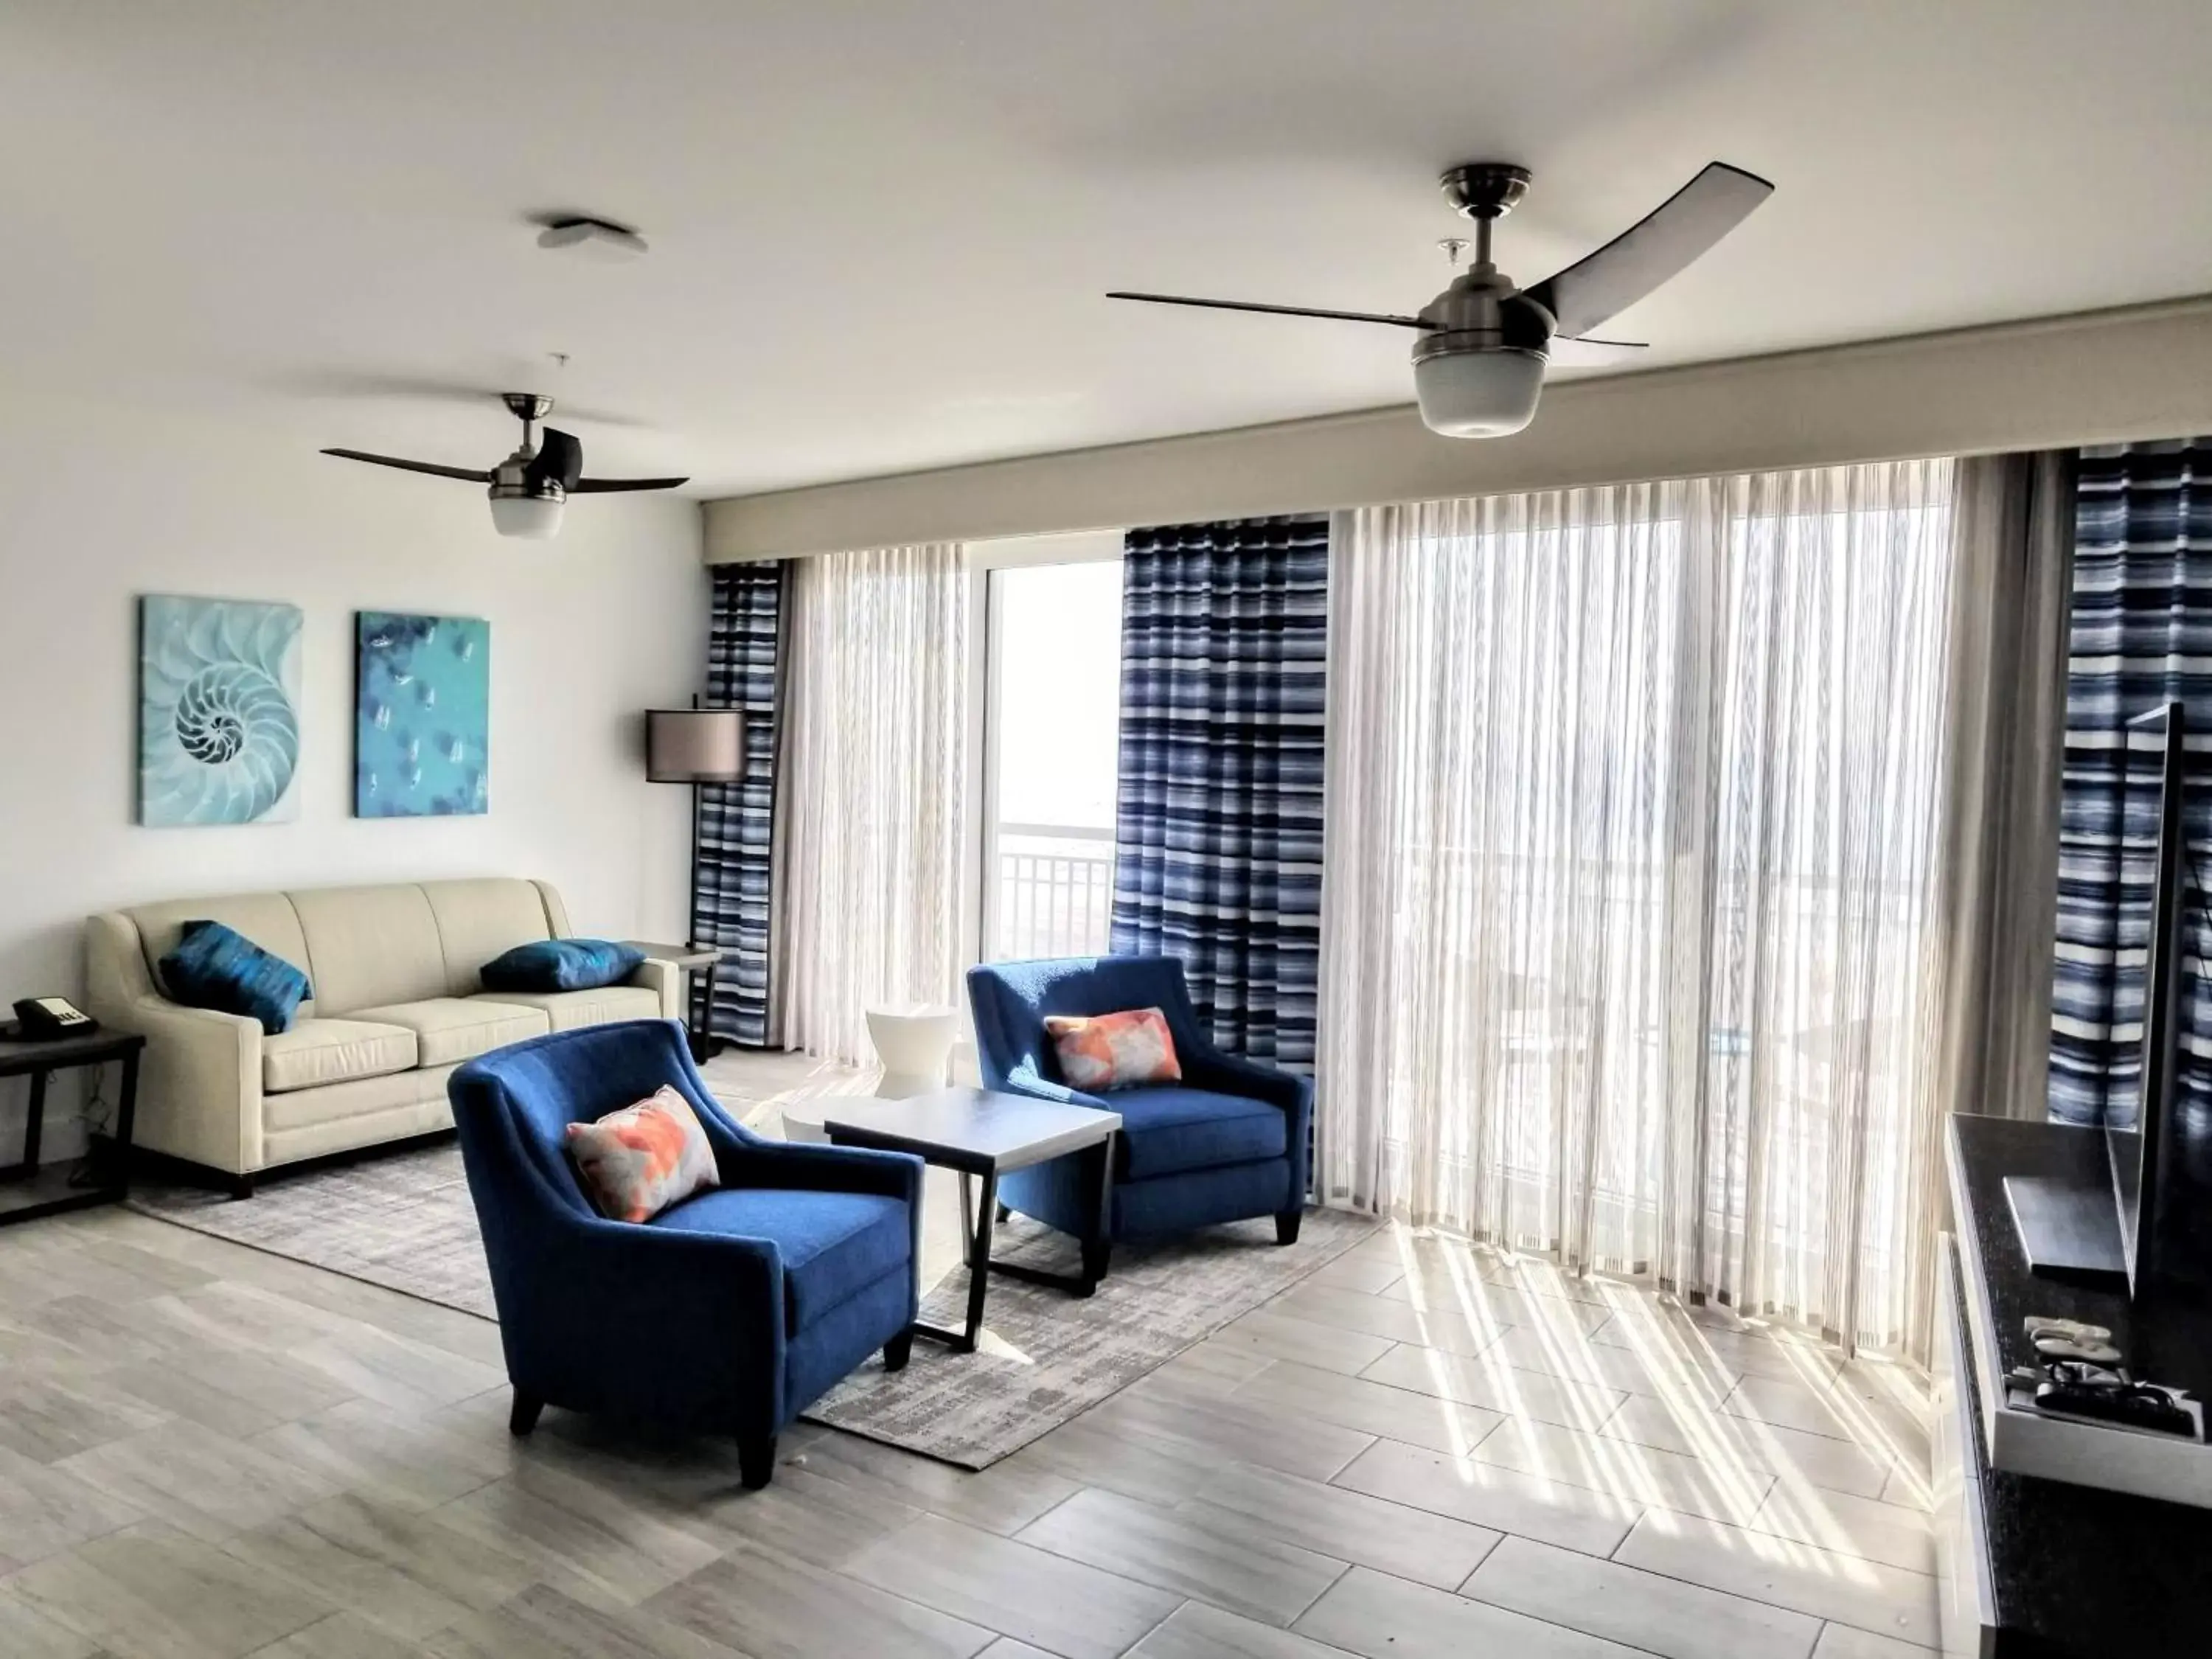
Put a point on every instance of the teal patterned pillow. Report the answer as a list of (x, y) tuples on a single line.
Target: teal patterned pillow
[(561, 964), (215, 967)]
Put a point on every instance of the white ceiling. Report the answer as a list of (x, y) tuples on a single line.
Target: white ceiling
[(881, 230)]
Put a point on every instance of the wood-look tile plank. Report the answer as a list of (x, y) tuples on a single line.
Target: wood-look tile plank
[(771, 1606), (1892, 1534), (151, 1592), (573, 1532), (233, 1392), (1449, 1328), (1015, 1588), (1843, 1642), (1195, 1630), (399, 1569), (1003, 1498), (1484, 1495), (1376, 1408), (1187, 1550), (399, 1370), (1373, 1615), (393, 1457), (1625, 1470), (341, 1636), (45, 1510), (1823, 1584), (1323, 1346), (1317, 1450), (26, 1633), (1495, 1386), (1640, 1609), (1667, 1332), (1489, 1305), (1340, 1523), (47, 1418), (545, 1623), (1741, 1444), (1567, 1352), (199, 1482)]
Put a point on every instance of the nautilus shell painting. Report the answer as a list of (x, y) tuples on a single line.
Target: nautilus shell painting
[(423, 714), (218, 711)]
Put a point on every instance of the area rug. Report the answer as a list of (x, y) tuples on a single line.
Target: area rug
[(404, 1220)]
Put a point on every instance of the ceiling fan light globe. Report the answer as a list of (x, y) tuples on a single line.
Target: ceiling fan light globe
[(527, 517), (1487, 393)]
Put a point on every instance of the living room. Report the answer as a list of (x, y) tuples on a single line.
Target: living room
[(827, 908)]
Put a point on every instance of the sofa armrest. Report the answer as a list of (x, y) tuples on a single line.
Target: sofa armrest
[(790, 1165), (667, 980), (1233, 1074), (1026, 1080), (200, 1082)]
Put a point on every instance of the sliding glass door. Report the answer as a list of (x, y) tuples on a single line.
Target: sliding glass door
[(1051, 724)]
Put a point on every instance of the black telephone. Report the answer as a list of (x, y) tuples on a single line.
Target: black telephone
[(41, 1019)]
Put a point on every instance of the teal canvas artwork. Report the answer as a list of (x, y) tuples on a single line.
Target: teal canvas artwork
[(218, 711), (423, 716)]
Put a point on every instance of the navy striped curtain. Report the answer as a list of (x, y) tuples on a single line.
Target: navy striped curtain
[(1217, 822), (731, 895), (2142, 634)]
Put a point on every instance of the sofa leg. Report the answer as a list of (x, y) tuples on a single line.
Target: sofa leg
[(898, 1350), (1004, 1215), (1286, 1226), (522, 1415), (1097, 1253), (755, 1460), (241, 1186)]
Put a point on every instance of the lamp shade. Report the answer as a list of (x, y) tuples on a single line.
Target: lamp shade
[(1477, 394), (695, 745)]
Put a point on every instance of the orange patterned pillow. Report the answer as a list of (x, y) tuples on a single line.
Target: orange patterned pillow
[(640, 1160), (1114, 1051)]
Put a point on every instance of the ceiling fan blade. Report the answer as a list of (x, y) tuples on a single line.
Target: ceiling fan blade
[(608, 486), (1656, 248), (1276, 311), (430, 467), (1569, 352), (559, 457)]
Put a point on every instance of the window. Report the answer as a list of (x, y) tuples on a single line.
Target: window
[(1051, 722)]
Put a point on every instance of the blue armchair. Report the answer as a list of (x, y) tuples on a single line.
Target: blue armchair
[(730, 1312), (1228, 1143)]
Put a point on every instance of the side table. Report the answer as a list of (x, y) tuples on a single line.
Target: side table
[(701, 962), (28, 1191)]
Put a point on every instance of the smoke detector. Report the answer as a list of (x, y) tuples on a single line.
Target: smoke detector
[(586, 237)]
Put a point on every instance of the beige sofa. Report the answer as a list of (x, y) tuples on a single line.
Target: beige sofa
[(397, 1006)]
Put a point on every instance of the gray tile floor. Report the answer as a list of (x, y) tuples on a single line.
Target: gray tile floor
[(206, 1453)]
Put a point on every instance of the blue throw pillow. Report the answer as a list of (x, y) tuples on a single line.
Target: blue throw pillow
[(215, 967), (561, 964)]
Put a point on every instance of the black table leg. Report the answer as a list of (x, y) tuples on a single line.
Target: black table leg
[(126, 1119), (702, 1014), (979, 1259), (34, 1123), (1095, 1248)]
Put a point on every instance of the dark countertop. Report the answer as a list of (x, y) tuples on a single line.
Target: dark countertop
[(2078, 1570)]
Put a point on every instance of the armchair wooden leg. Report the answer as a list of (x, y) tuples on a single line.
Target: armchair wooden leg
[(241, 1187), (898, 1350), (1096, 1253), (1004, 1215), (1286, 1226), (755, 1460), (522, 1415)]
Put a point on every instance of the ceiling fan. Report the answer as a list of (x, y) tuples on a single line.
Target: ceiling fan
[(1479, 361), (530, 488)]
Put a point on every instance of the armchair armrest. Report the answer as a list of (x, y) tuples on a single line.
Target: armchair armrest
[(825, 1169), (1209, 1067), (1026, 1080)]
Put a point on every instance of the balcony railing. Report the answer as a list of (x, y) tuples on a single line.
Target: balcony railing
[(1053, 893)]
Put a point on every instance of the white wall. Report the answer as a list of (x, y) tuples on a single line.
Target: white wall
[(99, 505)]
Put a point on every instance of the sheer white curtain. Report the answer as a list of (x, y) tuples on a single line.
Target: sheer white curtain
[(1632, 818), (873, 790)]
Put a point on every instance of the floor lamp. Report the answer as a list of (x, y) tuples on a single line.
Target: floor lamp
[(695, 746)]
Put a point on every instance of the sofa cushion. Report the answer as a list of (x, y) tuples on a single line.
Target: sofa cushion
[(216, 967), (448, 1029), (319, 1051), (833, 1244), (479, 918), (561, 964), (1166, 1131), (569, 1009), (369, 947)]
